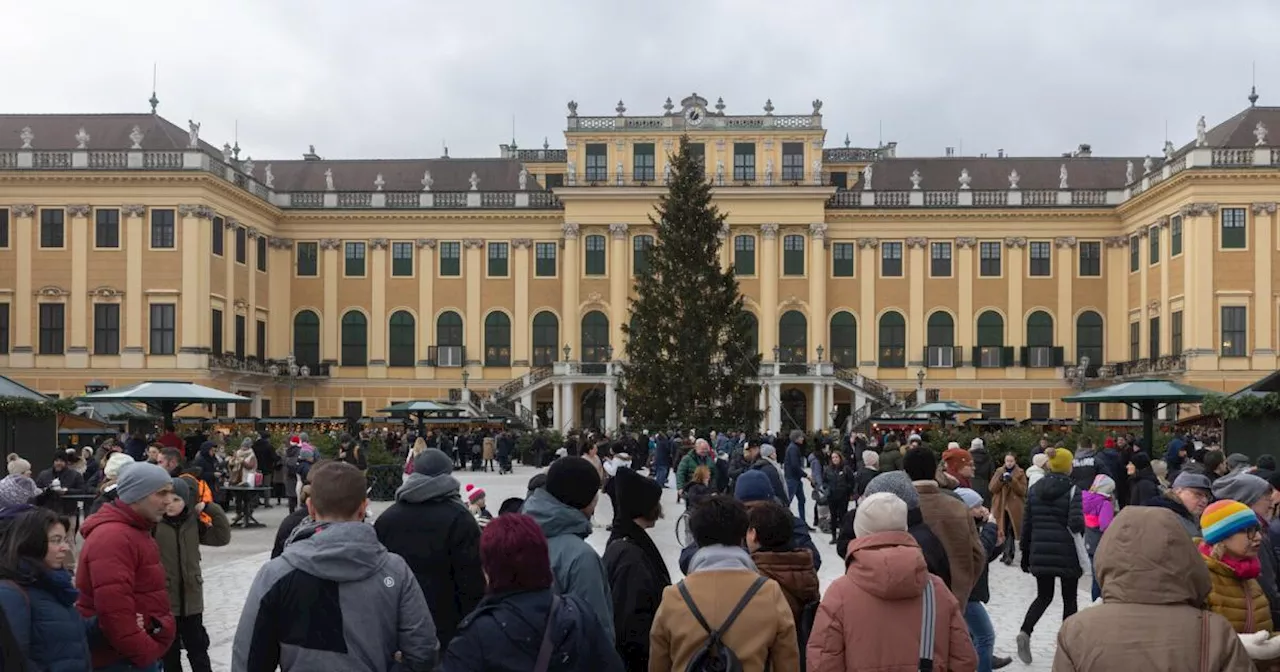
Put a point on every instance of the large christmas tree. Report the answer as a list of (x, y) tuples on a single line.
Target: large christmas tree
[(690, 353)]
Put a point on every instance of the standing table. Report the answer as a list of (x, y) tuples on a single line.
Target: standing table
[(245, 497)]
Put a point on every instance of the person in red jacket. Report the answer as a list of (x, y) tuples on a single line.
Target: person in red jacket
[(119, 575)]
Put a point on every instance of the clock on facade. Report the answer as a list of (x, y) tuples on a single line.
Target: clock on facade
[(694, 116)]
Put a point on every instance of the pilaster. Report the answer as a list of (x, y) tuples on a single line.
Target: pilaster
[(132, 354), (965, 331), (21, 351), (77, 305), (916, 273), (426, 248), (1198, 227), (229, 318), (279, 299), (251, 312), (1264, 354), (474, 271), (1063, 324), (191, 350), (768, 273), (330, 270), (520, 342), (818, 333), (1116, 324), (1144, 293), (870, 270), (619, 274), (569, 279), (378, 307)]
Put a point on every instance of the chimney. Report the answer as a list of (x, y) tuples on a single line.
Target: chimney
[(1000, 153), (1085, 150), (951, 152), (504, 150), (891, 150)]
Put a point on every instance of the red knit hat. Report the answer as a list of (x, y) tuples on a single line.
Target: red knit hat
[(956, 459), (1110, 442), (474, 492), (513, 554)]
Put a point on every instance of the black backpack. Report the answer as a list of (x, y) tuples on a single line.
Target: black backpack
[(714, 656)]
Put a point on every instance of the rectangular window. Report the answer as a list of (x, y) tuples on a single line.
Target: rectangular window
[(744, 255), (1092, 411), (1041, 258), (163, 328), (353, 409), (1175, 235), (891, 260), (260, 341), (698, 152), (842, 260), (52, 328), (1233, 229), (940, 259), (1234, 331), (839, 179), (642, 162), (1040, 410), (744, 161), (450, 259), (991, 410), (4, 328), (241, 336), (595, 255), (554, 180), (597, 162), (1134, 254), (401, 259), (545, 260), (304, 409), (640, 246), (52, 233), (793, 255), (353, 253), (1175, 333), (308, 259), (1153, 338), (497, 260), (1153, 244), (242, 247), (793, 162), (1135, 340), (106, 328), (989, 259), (106, 229), (1090, 259), (261, 251), (4, 228), (162, 233), (215, 325), (219, 236), (265, 405)]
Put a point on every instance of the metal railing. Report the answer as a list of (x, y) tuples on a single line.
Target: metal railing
[(1165, 365)]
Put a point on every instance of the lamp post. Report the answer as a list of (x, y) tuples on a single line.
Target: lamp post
[(920, 375), (1082, 381), (566, 352), (777, 352), (820, 351), (835, 412), (465, 376), (293, 372)]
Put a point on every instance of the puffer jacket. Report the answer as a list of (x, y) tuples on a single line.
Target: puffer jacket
[(119, 576), (883, 585), (794, 572), (1240, 601), (1053, 516), (891, 457), (51, 634), (1154, 584), (505, 632)]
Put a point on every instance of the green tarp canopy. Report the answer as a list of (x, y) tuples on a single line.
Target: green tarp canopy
[(1147, 396)]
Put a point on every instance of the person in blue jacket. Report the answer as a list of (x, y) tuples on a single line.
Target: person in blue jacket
[(37, 595), (521, 614), (793, 470)]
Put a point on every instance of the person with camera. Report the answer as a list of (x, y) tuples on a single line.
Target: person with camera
[(1008, 497)]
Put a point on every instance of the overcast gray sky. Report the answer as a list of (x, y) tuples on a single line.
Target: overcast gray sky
[(395, 79)]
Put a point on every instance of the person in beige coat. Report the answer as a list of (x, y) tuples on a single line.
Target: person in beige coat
[(1008, 496), (950, 521), (1154, 586)]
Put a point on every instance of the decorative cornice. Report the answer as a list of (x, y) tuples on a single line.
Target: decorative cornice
[(791, 302), (426, 242), (916, 242), (868, 242), (23, 210), (966, 242), (1064, 242), (252, 233), (106, 292), (329, 243), (769, 231), (522, 243), (1263, 208), (1163, 223), (240, 305), (51, 291), (1198, 209), (618, 230), (1116, 241), (473, 243), (1153, 308), (79, 210), (570, 230), (133, 209), (1143, 232), (818, 230), (277, 243), (1018, 242), (232, 222), (379, 243)]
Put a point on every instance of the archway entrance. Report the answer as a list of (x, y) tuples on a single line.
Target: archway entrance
[(592, 411), (795, 409)]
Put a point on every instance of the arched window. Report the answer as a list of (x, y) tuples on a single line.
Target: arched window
[(991, 352), (793, 338), (940, 340), (640, 246), (1089, 339), (594, 246), (1039, 330), (753, 335), (893, 340), (595, 337), (355, 339), (402, 335), (448, 347), (546, 338), (844, 339), (306, 339), (497, 339)]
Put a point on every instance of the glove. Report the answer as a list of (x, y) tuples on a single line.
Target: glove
[(1261, 645)]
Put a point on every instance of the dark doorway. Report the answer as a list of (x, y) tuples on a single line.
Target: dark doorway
[(795, 409)]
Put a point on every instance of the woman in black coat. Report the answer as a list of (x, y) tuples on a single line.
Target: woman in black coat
[(838, 478), (637, 573), (1143, 485), (1052, 519)]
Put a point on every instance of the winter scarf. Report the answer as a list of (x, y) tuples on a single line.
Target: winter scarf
[(418, 488), (1244, 568), (627, 529), (716, 556)]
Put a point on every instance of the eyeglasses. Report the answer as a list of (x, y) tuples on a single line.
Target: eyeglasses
[(1253, 532)]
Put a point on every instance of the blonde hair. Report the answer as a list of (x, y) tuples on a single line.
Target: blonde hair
[(419, 446), (702, 474)]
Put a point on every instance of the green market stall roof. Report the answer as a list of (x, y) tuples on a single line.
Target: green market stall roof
[(1137, 391), (166, 397), (947, 407)]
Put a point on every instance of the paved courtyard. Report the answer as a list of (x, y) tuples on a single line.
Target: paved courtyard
[(228, 572)]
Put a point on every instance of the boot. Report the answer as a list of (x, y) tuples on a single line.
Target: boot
[(998, 662), (1024, 648)]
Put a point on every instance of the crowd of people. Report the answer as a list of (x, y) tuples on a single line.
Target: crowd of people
[(1178, 550)]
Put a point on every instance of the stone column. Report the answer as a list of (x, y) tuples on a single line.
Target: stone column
[(965, 336), (474, 273), (619, 277), (867, 340), (557, 408), (569, 405), (426, 248), (22, 350), (818, 245), (916, 273), (762, 403), (520, 343), (78, 303), (818, 414), (775, 407), (569, 279), (1264, 354), (611, 404), (1063, 324), (132, 355), (280, 279), (330, 270), (768, 273)]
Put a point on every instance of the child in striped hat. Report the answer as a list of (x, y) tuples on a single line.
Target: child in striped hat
[(1230, 546)]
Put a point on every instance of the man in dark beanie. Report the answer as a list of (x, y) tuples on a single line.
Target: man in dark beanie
[(563, 509), (437, 536), (506, 631), (949, 519), (637, 572)]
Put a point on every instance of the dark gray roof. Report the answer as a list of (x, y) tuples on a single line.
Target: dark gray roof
[(988, 173), (397, 174), (1237, 131), (106, 132), (12, 388)]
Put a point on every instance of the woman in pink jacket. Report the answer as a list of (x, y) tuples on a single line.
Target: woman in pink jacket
[(886, 584), (1099, 510)]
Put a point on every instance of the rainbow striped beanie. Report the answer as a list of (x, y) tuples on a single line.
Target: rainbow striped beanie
[(1224, 518)]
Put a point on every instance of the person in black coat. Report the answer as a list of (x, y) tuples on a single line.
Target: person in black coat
[(899, 484), (637, 573), (838, 478), (437, 536), (1143, 484), (1052, 518)]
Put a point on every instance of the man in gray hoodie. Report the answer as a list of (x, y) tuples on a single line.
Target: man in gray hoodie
[(563, 508), (335, 600)]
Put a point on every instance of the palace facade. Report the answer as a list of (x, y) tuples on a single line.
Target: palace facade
[(132, 249)]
